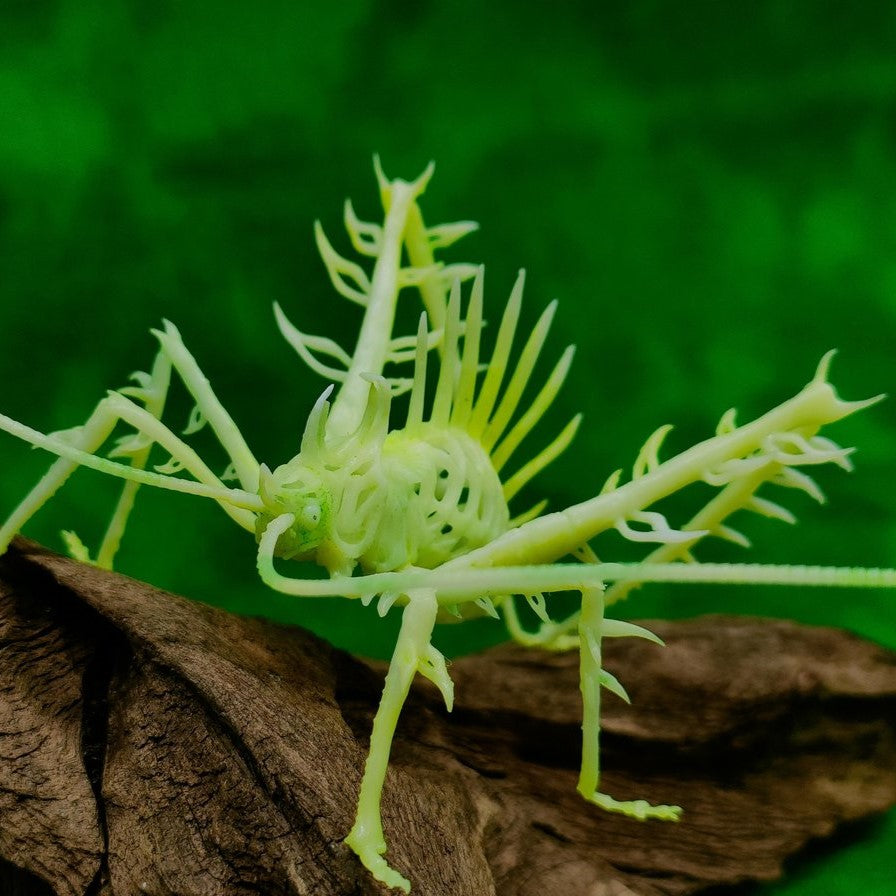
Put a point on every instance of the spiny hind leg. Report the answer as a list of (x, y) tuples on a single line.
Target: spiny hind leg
[(592, 678), (413, 653)]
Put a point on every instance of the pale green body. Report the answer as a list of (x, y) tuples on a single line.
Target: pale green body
[(418, 498), (418, 515)]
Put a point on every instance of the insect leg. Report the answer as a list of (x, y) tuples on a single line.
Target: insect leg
[(209, 406), (76, 448), (154, 396), (548, 635), (88, 438), (174, 353), (592, 677), (413, 653)]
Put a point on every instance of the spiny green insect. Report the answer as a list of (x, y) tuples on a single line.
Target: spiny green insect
[(417, 516)]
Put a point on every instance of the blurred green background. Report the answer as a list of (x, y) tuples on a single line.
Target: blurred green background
[(707, 187)]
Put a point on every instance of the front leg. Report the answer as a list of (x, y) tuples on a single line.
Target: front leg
[(89, 437), (152, 391), (77, 447), (209, 406), (154, 394), (413, 653)]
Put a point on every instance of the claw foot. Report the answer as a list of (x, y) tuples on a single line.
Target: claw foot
[(639, 809)]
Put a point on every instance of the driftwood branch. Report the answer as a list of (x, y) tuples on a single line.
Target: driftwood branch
[(153, 745)]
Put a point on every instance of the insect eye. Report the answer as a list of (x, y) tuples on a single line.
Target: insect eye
[(311, 514)]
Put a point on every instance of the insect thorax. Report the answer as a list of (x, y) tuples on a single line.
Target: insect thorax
[(418, 497)]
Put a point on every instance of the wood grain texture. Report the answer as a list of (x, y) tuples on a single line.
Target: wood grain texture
[(149, 744)]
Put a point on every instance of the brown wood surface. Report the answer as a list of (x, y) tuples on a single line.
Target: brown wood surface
[(152, 745)]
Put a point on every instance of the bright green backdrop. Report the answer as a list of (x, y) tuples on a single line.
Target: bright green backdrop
[(706, 186)]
